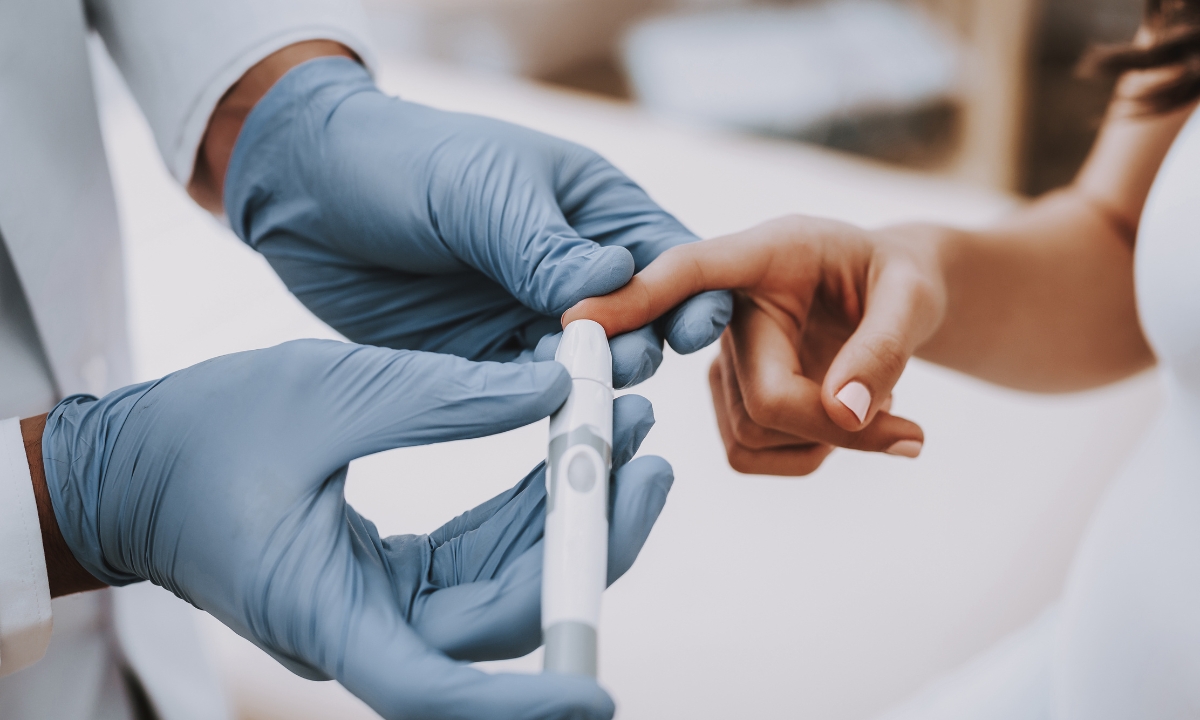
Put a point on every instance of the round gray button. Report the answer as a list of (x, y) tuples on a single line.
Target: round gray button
[(581, 473)]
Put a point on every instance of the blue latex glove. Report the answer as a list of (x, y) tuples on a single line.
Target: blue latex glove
[(409, 227), (224, 484)]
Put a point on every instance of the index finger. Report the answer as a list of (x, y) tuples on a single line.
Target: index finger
[(724, 263)]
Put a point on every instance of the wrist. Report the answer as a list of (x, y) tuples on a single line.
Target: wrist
[(947, 255), (292, 148), (63, 570), (207, 184), (932, 251)]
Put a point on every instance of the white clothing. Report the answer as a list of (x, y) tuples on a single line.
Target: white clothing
[(24, 588), (57, 212), (27, 387), (1124, 642), (179, 58), (62, 310), (84, 674), (1128, 645), (1011, 681)]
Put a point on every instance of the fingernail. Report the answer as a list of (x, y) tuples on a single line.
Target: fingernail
[(905, 448), (857, 398)]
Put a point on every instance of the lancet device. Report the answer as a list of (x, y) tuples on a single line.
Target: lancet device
[(575, 570)]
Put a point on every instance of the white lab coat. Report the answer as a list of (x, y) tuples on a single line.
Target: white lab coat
[(59, 224)]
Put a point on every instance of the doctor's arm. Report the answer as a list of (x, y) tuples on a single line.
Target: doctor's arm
[(207, 183), (224, 484), (398, 224), (64, 572)]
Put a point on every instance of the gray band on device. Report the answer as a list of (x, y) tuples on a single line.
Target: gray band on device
[(558, 445), (571, 648)]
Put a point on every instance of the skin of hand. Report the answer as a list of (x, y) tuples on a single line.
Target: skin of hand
[(821, 307), (223, 483), (1042, 301), (408, 227)]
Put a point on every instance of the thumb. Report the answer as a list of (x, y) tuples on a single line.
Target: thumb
[(901, 312), (551, 267), (724, 263)]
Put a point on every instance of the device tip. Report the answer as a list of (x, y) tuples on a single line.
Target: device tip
[(585, 353)]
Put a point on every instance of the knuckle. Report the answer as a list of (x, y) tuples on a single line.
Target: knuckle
[(889, 354), (751, 435), (745, 431), (925, 297), (739, 459), (765, 405), (924, 293)]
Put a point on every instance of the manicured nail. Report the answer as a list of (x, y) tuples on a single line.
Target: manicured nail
[(857, 398), (905, 448)]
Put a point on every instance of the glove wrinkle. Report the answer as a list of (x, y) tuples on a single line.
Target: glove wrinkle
[(408, 227)]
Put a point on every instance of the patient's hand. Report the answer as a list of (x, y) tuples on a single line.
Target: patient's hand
[(825, 318)]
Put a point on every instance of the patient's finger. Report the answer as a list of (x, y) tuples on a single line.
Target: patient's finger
[(794, 460), (902, 311), (745, 431), (732, 261), (776, 394)]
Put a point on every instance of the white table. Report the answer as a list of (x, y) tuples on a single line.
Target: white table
[(826, 597)]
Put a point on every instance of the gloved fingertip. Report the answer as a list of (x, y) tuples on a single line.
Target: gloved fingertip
[(632, 372), (547, 347), (608, 268), (639, 494), (629, 409), (653, 470), (633, 418), (585, 270), (636, 355), (600, 705), (555, 384), (699, 321)]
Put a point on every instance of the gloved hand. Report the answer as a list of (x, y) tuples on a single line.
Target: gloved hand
[(409, 227), (224, 484)]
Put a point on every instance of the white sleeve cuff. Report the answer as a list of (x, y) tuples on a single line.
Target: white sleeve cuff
[(24, 587), (180, 57)]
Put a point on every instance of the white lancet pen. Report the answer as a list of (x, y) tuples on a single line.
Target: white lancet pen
[(577, 471)]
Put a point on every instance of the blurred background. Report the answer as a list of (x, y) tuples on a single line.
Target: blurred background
[(831, 597), (980, 89)]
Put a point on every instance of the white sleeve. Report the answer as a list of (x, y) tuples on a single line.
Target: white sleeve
[(24, 588), (180, 56)]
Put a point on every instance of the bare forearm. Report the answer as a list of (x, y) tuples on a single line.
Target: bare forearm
[(65, 573), (1045, 300), (1042, 302)]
